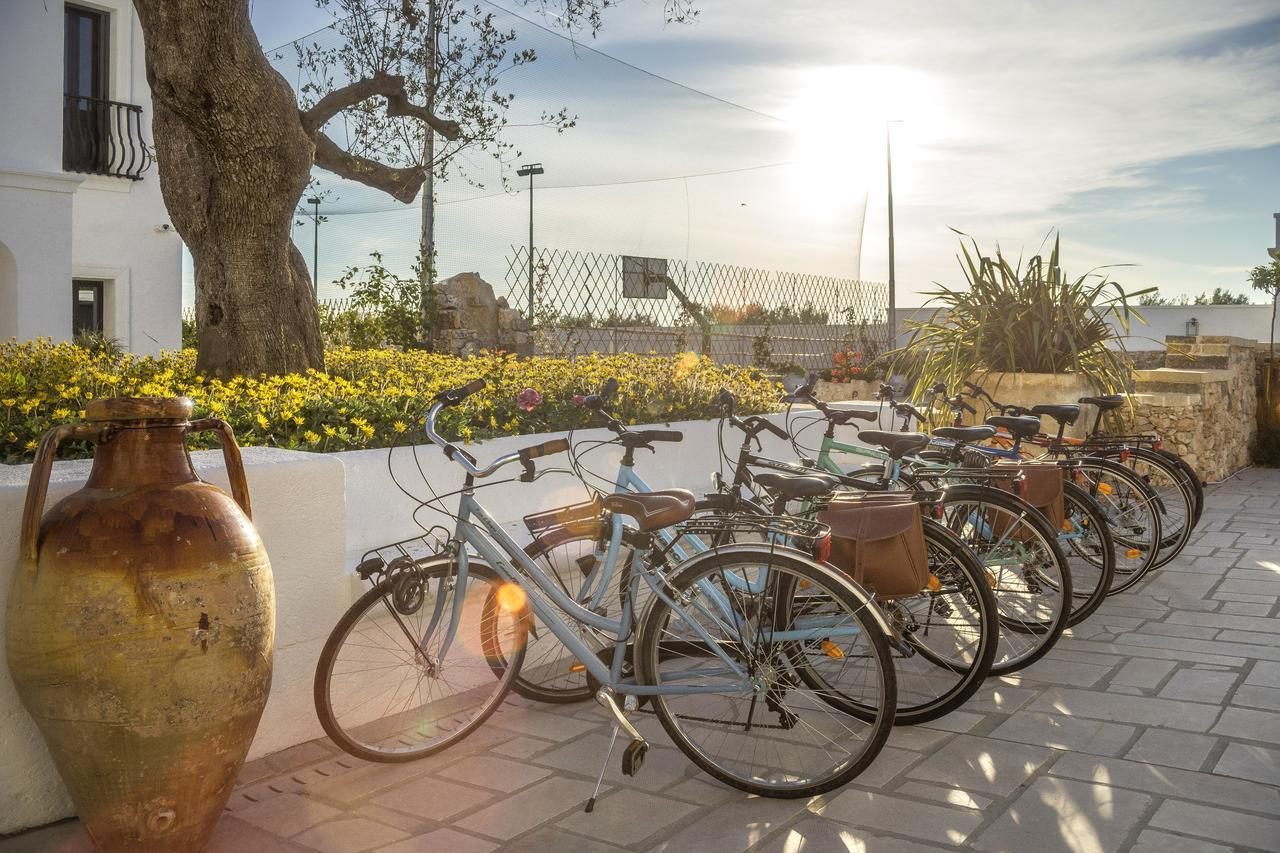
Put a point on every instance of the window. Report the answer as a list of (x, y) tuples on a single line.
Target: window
[(86, 144), (86, 306)]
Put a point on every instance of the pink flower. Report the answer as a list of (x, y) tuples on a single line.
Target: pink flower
[(578, 400), (528, 399)]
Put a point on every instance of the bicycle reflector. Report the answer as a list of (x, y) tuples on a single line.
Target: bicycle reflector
[(1124, 454), (1133, 553), (1106, 488), (822, 549), (1157, 444), (832, 650)]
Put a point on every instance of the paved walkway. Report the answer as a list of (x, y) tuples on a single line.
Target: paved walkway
[(1155, 726)]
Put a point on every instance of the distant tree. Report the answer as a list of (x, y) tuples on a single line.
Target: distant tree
[(235, 147), (1266, 278), (1222, 296)]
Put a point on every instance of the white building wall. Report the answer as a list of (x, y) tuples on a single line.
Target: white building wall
[(59, 225)]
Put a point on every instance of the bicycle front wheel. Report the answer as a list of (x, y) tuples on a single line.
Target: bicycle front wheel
[(1133, 512), (726, 640), (406, 673)]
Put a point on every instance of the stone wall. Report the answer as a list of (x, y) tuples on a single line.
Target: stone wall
[(470, 318), (1202, 403)]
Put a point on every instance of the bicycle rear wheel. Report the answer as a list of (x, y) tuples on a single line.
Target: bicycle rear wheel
[(1177, 501), (1133, 513), (1025, 565), (386, 687), (762, 729)]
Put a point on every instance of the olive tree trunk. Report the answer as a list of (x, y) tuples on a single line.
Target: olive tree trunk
[(234, 159)]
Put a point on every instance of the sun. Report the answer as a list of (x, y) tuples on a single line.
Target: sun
[(838, 118)]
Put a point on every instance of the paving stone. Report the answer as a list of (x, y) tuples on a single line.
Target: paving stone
[(1242, 608), (287, 814), (1217, 824), (956, 721), (1199, 686), (432, 798), (69, 837), (703, 791), (541, 724), (1249, 725), (1252, 637), (1269, 600), (230, 836), (486, 771), (1165, 629), (627, 816), (999, 698), (812, 834), (549, 839), (896, 814), (1263, 624), (1193, 651), (531, 807), (523, 747), (1061, 815), (1252, 696), (888, 765), (917, 738), (1172, 749), (1144, 672), (444, 840), (298, 756), (409, 823), (1060, 732), (1190, 716), (1264, 674), (946, 796), (366, 780), (1154, 841), (982, 764), (1169, 782), (1246, 761), (349, 835), (1146, 646), (732, 827)]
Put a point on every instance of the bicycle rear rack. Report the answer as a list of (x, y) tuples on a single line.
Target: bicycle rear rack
[(378, 564)]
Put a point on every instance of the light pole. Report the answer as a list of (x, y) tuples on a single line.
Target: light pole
[(529, 170), (893, 286), (314, 201)]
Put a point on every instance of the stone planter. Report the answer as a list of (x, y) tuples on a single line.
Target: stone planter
[(1029, 389), (836, 392)]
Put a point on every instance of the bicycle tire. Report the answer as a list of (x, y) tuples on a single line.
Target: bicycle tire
[(502, 664), (650, 655)]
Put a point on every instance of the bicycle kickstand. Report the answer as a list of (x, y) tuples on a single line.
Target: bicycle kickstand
[(633, 758)]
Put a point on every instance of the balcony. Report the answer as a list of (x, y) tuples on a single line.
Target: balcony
[(102, 137)]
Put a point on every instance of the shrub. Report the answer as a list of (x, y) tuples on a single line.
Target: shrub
[(366, 398), (1013, 319)]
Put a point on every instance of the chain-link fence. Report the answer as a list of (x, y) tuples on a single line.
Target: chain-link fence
[(584, 302)]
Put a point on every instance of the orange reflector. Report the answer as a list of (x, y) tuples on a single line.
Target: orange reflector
[(511, 597), (1133, 552), (991, 579), (934, 584), (1068, 525), (577, 666), (1105, 488), (832, 650), (805, 583)]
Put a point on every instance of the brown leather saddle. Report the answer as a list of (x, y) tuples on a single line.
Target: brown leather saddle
[(652, 510)]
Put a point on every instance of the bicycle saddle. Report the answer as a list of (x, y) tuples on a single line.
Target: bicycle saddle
[(792, 486), (1105, 402), (1065, 413), (1020, 427), (896, 444), (967, 434), (652, 510)]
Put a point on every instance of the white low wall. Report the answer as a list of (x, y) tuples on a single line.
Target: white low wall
[(317, 513)]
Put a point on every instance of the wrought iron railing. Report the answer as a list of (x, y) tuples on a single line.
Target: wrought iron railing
[(103, 137)]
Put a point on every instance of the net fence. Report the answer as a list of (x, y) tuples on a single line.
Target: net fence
[(649, 169)]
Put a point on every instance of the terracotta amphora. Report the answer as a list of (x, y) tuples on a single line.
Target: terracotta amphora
[(141, 624)]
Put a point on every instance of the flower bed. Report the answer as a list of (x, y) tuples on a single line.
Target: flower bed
[(365, 398)]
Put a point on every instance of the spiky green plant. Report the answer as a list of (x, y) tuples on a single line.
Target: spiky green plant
[(1013, 319)]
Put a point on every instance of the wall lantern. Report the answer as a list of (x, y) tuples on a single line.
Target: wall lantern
[(1193, 327)]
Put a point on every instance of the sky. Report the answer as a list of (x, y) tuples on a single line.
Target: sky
[(1148, 134)]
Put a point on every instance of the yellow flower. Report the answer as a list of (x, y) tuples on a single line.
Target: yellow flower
[(399, 426), (262, 421), (298, 421), (311, 437), (61, 413), (329, 431), (32, 444), (9, 402)]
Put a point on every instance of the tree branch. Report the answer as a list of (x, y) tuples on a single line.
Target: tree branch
[(389, 86), (400, 184)]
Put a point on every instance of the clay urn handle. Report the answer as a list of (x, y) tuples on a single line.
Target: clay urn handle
[(231, 458), (38, 485)]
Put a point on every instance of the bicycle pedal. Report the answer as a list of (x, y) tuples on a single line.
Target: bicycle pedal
[(633, 757)]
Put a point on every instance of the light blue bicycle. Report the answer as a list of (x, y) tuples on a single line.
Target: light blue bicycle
[(757, 685)]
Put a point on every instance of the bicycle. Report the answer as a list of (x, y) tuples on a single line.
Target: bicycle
[(720, 654)]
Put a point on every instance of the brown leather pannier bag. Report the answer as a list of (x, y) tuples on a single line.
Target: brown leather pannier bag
[(879, 543), (1042, 489)]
